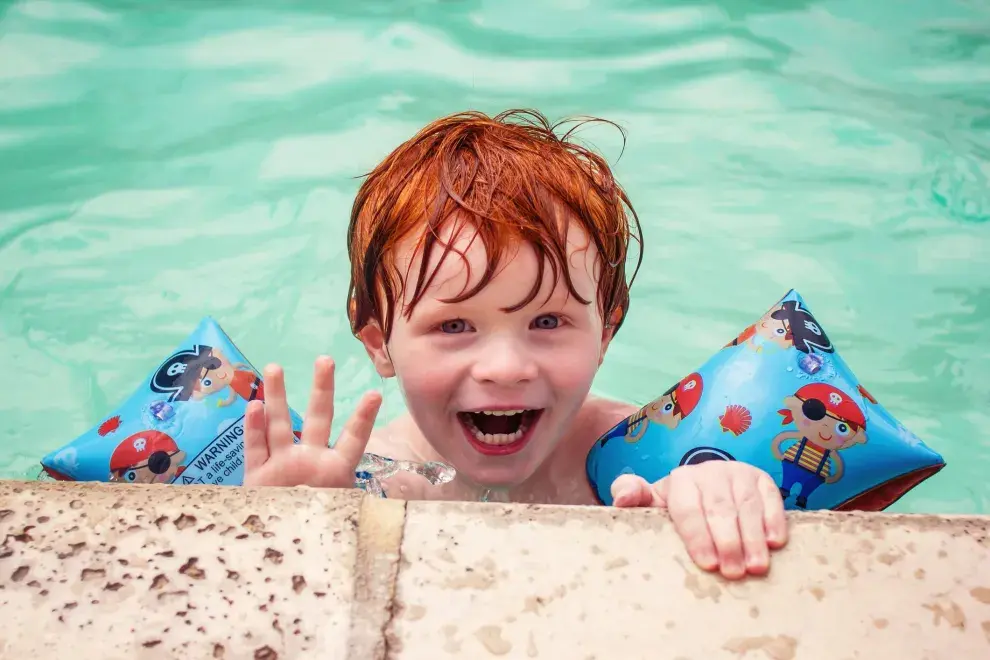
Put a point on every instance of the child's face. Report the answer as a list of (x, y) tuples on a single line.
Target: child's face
[(457, 363)]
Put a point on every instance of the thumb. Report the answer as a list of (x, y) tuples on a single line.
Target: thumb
[(630, 490)]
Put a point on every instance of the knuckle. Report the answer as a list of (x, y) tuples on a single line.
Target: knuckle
[(719, 511), (698, 544), (749, 500), (729, 545)]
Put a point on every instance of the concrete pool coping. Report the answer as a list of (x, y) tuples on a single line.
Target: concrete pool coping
[(110, 571)]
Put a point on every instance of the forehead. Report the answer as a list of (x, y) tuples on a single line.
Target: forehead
[(466, 262)]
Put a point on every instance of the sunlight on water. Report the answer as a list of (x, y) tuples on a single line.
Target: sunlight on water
[(159, 164)]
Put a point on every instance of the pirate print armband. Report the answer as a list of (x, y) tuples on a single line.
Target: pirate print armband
[(184, 425), (778, 397)]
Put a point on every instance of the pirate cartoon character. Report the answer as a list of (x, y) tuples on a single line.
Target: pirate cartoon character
[(240, 378), (676, 403), (178, 376), (146, 457), (828, 421), (785, 325)]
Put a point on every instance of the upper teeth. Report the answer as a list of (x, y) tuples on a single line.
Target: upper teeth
[(501, 412)]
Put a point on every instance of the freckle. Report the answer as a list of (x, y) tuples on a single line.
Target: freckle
[(920, 574), (754, 612), (880, 623)]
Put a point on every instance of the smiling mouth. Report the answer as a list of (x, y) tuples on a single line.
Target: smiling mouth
[(499, 432)]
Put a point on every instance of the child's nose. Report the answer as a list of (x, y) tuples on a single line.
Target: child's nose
[(504, 361)]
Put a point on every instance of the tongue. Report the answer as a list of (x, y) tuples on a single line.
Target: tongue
[(495, 424)]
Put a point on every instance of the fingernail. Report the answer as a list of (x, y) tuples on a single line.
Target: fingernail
[(756, 560), (706, 559)]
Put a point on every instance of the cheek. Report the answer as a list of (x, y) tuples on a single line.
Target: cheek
[(571, 375), (805, 423), (425, 385), (424, 374)]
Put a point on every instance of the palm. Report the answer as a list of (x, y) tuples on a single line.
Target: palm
[(272, 456)]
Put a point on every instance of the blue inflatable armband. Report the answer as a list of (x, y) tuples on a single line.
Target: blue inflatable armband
[(780, 398), (183, 425)]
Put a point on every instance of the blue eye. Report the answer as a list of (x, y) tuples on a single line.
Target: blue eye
[(453, 326), (130, 475), (546, 322)]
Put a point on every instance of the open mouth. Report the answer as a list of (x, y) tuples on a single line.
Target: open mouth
[(499, 432)]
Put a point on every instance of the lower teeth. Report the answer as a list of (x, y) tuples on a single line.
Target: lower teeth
[(496, 438)]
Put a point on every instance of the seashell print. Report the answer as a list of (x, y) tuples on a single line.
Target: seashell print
[(735, 420)]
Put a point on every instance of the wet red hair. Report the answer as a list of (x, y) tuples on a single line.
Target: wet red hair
[(510, 177)]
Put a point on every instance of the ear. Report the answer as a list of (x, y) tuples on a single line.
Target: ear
[(608, 331), (373, 338)]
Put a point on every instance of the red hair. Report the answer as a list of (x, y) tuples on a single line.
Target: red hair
[(510, 180)]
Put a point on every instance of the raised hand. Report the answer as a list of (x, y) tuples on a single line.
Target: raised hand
[(272, 458)]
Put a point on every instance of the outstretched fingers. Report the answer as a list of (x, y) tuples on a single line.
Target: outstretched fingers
[(255, 439), (319, 412), (357, 432), (277, 410)]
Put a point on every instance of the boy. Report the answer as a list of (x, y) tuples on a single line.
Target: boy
[(488, 276)]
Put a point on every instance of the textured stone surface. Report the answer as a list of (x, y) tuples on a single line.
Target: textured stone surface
[(555, 582), (112, 571), (377, 565), (99, 571)]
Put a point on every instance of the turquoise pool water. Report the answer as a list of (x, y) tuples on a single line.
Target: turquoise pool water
[(160, 162)]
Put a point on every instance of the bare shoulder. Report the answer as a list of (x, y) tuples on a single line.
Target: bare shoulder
[(393, 441), (609, 408), (597, 416)]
